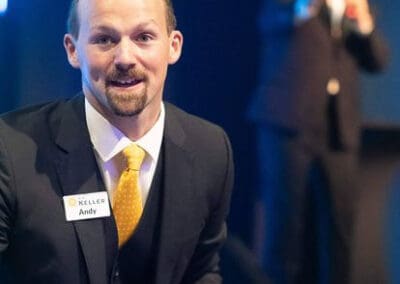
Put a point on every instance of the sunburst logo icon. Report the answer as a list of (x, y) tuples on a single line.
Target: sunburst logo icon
[(72, 202)]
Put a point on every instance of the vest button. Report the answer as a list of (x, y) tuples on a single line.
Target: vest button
[(333, 86)]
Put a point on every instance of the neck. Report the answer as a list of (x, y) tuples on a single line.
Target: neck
[(135, 127)]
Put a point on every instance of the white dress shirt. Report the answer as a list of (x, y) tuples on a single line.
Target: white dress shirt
[(337, 8), (108, 142)]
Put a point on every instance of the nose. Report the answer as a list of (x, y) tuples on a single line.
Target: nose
[(125, 55)]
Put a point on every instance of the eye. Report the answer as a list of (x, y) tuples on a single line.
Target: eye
[(144, 37), (103, 40)]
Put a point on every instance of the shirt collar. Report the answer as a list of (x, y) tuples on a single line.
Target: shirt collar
[(337, 9), (108, 140)]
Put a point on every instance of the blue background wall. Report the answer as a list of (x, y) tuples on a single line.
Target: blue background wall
[(381, 101), (32, 59), (214, 79)]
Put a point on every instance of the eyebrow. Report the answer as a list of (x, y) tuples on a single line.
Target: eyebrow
[(103, 28), (110, 29), (148, 23)]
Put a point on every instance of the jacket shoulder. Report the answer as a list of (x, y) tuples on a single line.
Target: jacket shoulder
[(193, 124), (38, 120)]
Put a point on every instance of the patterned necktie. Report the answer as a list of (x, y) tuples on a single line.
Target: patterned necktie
[(128, 206)]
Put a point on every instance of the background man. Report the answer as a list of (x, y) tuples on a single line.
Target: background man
[(307, 114)]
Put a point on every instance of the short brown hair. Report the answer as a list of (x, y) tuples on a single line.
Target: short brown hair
[(73, 18)]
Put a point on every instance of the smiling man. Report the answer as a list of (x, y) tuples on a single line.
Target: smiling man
[(166, 175)]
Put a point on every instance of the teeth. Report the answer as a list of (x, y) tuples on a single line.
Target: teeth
[(127, 81)]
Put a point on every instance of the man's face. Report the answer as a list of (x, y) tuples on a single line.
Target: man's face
[(123, 50)]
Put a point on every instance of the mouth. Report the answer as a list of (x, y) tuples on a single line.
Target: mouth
[(125, 83)]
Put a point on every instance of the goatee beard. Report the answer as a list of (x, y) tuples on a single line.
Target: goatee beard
[(127, 105), (130, 103)]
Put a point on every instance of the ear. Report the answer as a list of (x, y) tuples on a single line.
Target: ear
[(176, 43), (70, 48)]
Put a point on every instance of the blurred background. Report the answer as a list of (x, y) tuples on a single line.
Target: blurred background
[(214, 79)]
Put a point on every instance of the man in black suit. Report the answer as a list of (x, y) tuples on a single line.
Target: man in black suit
[(307, 114), (60, 163)]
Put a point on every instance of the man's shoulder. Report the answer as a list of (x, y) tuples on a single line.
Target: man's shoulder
[(194, 133), (36, 122), (37, 113), (190, 121)]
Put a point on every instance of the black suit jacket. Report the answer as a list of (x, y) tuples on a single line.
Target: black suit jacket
[(46, 153), (298, 60)]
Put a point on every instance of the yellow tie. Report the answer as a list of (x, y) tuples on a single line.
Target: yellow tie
[(128, 206)]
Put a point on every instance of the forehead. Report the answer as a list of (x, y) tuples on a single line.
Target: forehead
[(121, 11)]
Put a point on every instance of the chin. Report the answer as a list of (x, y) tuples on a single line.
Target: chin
[(127, 113), (127, 106), (124, 110)]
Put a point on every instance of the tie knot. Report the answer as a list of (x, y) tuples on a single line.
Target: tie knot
[(134, 156)]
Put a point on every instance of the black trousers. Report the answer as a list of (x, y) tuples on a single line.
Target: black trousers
[(308, 193)]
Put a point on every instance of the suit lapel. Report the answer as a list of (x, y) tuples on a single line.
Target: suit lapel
[(175, 214), (78, 173)]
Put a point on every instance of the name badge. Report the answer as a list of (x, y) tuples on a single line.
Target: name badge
[(86, 206)]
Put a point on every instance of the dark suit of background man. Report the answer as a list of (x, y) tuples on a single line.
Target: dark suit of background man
[(308, 115), (123, 49)]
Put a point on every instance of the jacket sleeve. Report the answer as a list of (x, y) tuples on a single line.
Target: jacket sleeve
[(204, 265), (7, 202), (370, 51)]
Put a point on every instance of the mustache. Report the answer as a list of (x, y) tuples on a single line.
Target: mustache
[(117, 74)]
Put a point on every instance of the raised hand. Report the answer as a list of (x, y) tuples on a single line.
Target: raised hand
[(359, 12)]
